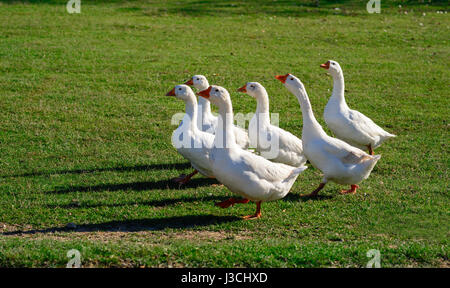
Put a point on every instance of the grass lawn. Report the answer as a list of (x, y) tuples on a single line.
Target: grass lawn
[(85, 132)]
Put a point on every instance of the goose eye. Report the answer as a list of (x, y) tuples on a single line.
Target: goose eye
[(179, 89), (292, 78), (217, 90), (198, 79)]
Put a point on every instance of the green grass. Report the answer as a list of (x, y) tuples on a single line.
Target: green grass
[(85, 132)]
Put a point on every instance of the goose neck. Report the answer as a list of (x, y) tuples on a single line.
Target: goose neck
[(311, 128), (191, 113), (338, 90), (225, 134), (204, 105), (262, 107)]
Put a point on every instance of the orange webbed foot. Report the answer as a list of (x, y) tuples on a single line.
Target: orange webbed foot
[(217, 185), (312, 194), (231, 202), (183, 178), (352, 190), (179, 178), (257, 213), (224, 204), (315, 192), (253, 216)]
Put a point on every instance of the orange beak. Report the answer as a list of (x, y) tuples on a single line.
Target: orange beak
[(326, 65), (171, 92), (190, 82), (205, 93), (282, 78), (243, 89)]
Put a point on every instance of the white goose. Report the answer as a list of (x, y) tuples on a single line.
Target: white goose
[(350, 125), (207, 121), (191, 143), (339, 161), (271, 141), (243, 172)]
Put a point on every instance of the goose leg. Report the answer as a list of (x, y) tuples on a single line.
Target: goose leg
[(370, 150), (352, 190), (183, 179), (231, 202), (315, 192), (257, 213)]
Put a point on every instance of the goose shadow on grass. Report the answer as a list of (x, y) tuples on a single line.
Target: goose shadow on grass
[(154, 203), (246, 7), (137, 186), (297, 197), (172, 201), (149, 167), (136, 225), (282, 8)]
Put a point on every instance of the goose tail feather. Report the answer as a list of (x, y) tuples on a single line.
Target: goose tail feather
[(296, 172)]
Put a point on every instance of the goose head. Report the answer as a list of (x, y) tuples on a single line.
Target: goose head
[(292, 83), (198, 81), (253, 89), (217, 95), (333, 68), (182, 92)]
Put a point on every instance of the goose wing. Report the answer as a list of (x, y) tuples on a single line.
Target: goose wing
[(365, 125), (346, 153)]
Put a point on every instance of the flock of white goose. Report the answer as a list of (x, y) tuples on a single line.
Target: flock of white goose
[(218, 149)]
